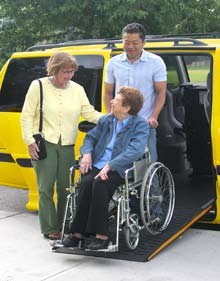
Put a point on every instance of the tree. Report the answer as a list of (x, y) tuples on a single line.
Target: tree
[(25, 23), (28, 22)]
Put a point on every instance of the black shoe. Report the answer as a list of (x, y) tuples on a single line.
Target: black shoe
[(52, 236), (72, 241), (98, 244)]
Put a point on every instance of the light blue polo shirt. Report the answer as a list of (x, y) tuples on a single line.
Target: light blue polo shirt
[(106, 157), (142, 74)]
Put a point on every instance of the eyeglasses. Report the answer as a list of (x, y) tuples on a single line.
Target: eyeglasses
[(69, 71)]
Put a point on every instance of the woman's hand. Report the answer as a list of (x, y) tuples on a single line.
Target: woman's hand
[(86, 163), (33, 151), (103, 174)]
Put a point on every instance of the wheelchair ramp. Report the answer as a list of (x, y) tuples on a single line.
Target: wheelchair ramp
[(194, 198)]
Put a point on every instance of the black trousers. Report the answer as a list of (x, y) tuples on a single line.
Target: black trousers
[(94, 196)]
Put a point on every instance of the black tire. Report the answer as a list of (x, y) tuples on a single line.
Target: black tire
[(157, 198), (132, 232)]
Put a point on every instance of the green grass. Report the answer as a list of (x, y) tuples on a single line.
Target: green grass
[(196, 75)]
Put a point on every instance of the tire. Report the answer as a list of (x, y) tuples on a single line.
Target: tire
[(70, 211), (157, 198), (132, 232), (68, 217)]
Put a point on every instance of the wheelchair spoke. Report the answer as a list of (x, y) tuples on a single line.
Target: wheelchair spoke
[(132, 232), (157, 198)]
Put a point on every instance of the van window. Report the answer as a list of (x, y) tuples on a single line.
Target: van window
[(198, 67), (172, 65), (21, 72), (89, 75), (183, 68)]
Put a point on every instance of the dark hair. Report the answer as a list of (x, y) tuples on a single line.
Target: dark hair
[(131, 97), (61, 60), (135, 28)]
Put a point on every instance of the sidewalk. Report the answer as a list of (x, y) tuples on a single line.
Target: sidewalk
[(27, 256)]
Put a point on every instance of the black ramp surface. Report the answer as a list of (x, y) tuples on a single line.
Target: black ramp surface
[(193, 197)]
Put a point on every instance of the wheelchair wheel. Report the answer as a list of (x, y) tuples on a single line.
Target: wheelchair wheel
[(68, 216), (70, 210), (157, 198), (132, 232)]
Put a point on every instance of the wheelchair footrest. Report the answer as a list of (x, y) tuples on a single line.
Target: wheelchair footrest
[(57, 245), (111, 248)]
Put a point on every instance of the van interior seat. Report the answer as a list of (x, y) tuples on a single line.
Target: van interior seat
[(170, 137), (197, 129), (169, 127)]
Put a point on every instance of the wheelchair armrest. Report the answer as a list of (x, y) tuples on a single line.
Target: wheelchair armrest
[(74, 167), (86, 126)]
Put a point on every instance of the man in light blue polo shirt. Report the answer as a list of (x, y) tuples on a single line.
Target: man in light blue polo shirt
[(142, 70)]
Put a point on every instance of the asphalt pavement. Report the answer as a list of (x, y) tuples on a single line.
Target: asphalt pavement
[(27, 256)]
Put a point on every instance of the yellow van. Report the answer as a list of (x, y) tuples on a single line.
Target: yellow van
[(189, 124)]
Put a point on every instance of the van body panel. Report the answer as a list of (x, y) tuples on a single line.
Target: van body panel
[(16, 169), (182, 148)]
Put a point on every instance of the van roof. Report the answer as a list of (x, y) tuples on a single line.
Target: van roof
[(97, 45)]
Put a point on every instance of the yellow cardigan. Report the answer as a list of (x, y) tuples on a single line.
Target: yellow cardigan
[(61, 111)]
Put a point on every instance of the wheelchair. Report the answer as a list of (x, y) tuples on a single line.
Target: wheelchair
[(148, 186)]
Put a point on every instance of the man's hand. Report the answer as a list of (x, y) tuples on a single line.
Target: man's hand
[(86, 163), (152, 122)]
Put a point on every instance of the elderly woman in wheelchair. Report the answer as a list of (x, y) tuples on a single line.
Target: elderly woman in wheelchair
[(111, 171), (109, 149)]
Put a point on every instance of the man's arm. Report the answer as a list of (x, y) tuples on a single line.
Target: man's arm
[(108, 95), (160, 88)]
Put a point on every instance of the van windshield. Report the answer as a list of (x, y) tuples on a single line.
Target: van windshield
[(21, 72)]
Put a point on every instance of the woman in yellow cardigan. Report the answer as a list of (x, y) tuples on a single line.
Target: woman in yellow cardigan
[(64, 101)]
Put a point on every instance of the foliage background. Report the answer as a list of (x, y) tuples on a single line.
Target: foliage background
[(25, 23)]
